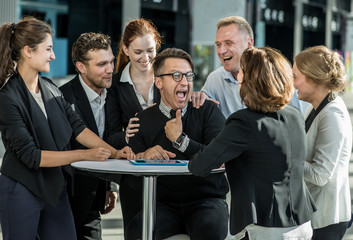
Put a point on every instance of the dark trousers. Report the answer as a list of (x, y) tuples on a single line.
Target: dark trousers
[(24, 216), (130, 194), (201, 220), (90, 228), (331, 232), (86, 202)]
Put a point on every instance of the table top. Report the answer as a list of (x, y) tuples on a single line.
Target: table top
[(122, 166)]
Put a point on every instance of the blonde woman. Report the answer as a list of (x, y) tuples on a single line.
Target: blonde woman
[(319, 75)]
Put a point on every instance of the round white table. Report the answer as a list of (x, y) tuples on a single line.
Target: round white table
[(149, 174)]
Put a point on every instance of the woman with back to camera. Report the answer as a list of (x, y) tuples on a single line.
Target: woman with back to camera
[(262, 148), (132, 91), (319, 75), (36, 125)]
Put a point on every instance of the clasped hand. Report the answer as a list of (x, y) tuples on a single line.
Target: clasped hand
[(102, 154)]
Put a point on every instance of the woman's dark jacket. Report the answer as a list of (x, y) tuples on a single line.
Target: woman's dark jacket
[(264, 155), (26, 132)]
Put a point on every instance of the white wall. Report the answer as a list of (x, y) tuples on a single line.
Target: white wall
[(8, 11), (349, 36), (206, 14), (131, 10)]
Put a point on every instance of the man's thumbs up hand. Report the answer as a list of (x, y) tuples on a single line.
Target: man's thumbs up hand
[(174, 127)]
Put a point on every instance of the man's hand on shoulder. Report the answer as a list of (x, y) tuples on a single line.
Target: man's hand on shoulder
[(132, 128), (199, 98), (157, 152)]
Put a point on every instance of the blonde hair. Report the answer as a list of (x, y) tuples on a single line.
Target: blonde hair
[(241, 23), (267, 84), (324, 67)]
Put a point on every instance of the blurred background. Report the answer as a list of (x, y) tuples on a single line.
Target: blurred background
[(288, 25)]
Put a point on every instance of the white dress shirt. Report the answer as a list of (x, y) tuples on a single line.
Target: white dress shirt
[(125, 77), (97, 105)]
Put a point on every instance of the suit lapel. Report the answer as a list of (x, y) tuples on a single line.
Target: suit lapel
[(85, 110), (56, 117), (42, 130), (129, 96)]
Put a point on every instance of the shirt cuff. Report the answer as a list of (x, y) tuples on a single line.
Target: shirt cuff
[(184, 145)]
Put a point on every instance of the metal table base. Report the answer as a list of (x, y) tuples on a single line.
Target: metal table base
[(149, 207)]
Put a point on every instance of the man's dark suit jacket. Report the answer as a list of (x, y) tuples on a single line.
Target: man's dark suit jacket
[(26, 132), (264, 155), (88, 191), (122, 104)]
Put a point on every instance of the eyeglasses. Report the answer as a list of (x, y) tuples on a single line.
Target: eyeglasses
[(178, 76)]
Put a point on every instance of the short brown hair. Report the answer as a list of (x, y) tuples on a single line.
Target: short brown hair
[(85, 43), (240, 22), (158, 62), (267, 79), (324, 67)]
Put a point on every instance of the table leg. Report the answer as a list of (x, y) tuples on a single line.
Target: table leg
[(149, 207)]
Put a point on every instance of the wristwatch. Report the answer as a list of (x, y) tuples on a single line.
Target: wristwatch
[(177, 143)]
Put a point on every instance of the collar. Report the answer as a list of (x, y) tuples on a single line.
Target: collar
[(228, 76), (91, 95), (166, 110), (125, 75)]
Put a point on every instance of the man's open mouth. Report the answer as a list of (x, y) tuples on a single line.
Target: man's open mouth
[(227, 58), (181, 94)]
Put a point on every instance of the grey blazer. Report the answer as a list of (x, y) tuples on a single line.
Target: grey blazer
[(328, 151)]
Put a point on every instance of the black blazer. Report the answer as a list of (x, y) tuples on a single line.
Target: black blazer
[(122, 104), (88, 191), (26, 132), (264, 156)]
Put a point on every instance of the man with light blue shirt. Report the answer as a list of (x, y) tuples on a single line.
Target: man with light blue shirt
[(234, 35), (222, 86)]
